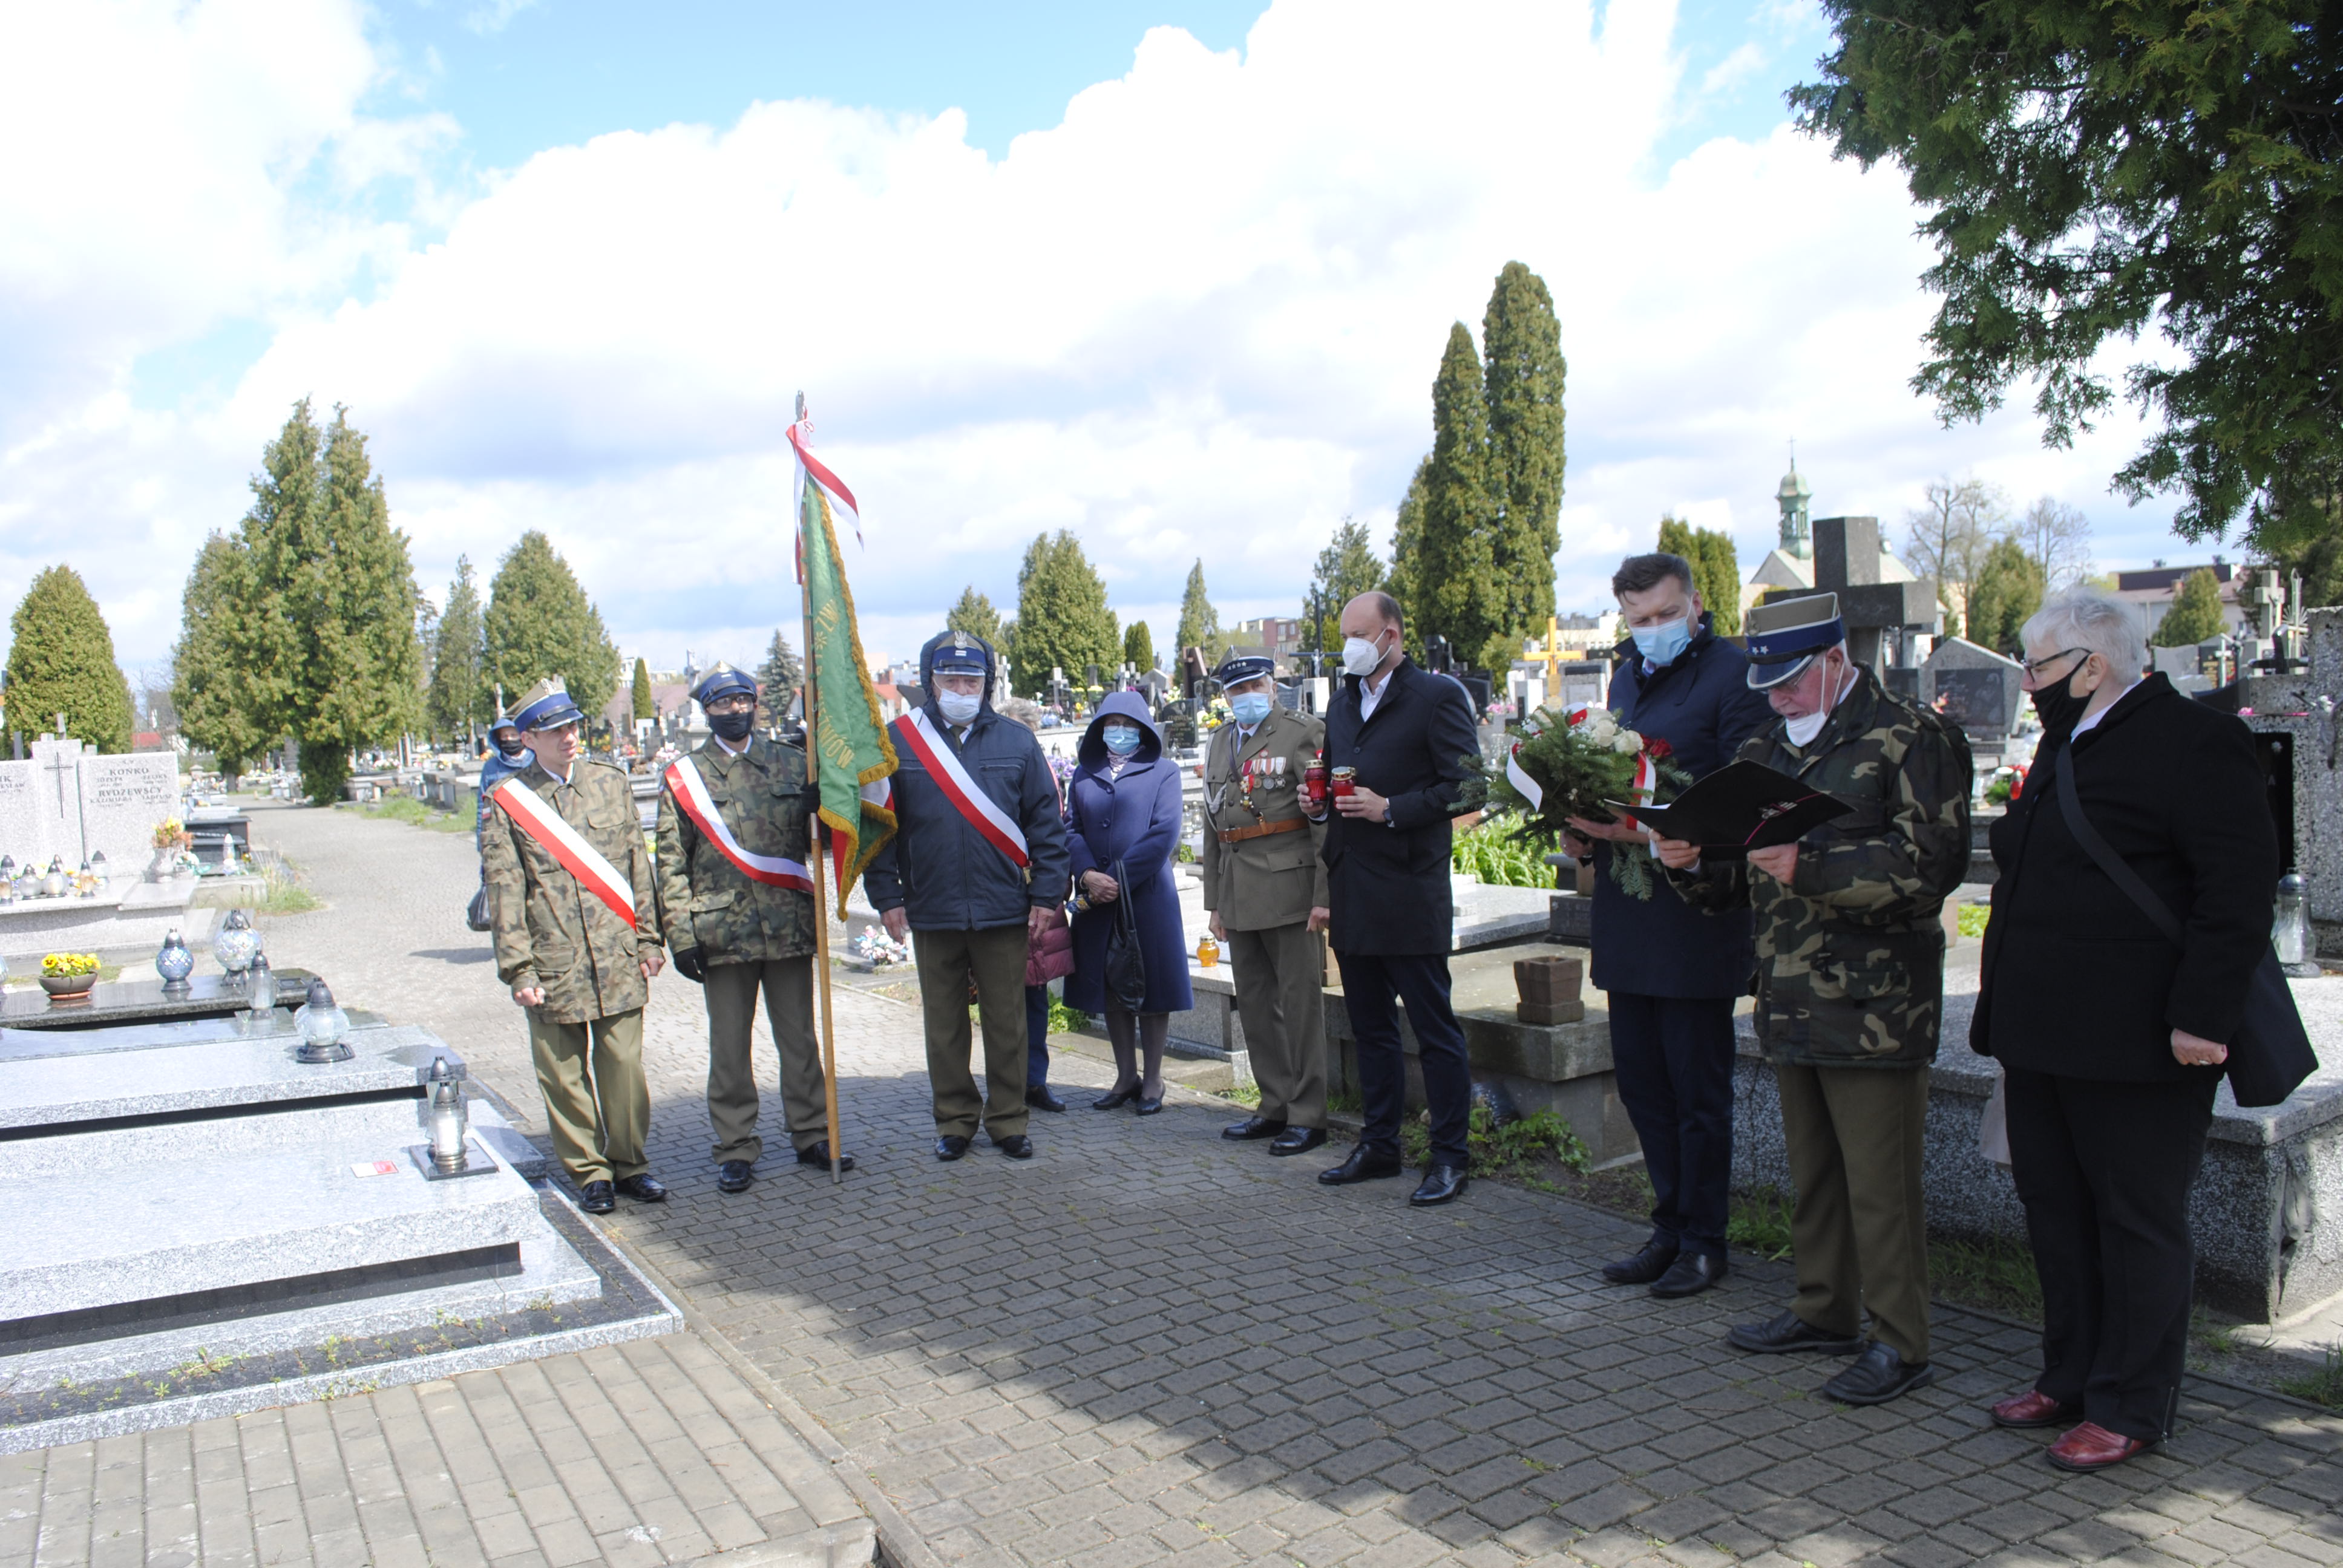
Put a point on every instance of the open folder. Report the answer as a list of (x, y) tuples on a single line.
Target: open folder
[(1743, 806)]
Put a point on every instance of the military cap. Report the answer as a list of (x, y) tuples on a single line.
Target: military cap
[(1240, 668), (547, 707), (957, 653), (1785, 635), (722, 680)]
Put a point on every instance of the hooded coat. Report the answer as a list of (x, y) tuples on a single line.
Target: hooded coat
[(1132, 817)]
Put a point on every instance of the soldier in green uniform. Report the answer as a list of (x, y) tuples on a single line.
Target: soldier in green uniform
[(576, 915), (1266, 889), (736, 900), (1850, 983)]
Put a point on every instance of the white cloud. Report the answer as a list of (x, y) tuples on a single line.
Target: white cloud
[(1200, 318)]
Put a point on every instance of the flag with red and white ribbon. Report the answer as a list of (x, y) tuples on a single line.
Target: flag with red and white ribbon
[(968, 798), (557, 837), (692, 798), (800, 442)]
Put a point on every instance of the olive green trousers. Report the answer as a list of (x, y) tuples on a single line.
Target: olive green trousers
[(1860, 1229), (993, 961), (1280, 978), (732, 995), (596, 1102)]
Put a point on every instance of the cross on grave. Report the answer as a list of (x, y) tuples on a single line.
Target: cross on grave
[(1883, 618), (61, 768)]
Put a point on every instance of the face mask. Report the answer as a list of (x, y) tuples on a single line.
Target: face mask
[(2057, 705), (518, 756), (1250, 709), (732, 727), (1660, 644), (1121, 739), (958, 709), (1803, 731), (1360, 656), (512, 750)]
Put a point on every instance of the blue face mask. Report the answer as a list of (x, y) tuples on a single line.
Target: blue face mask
[(1250, 709), (1121, 739), (1660, 644)]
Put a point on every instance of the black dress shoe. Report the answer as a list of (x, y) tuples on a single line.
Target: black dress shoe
[(950, 1146), (643, 1189), (1690, 1275), (1297, 1141), (1644, 1267), (1879, 1374), (1251, 1128), (818, 1154), (1790, 1333), (1442, 1183), (734, 1176), (1363, 1165), (1147, 1107), (597, 1198), (1039, 1097), (1017, 1146), (1115, 1099)]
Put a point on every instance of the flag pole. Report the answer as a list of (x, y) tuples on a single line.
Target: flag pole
[(813, 840)]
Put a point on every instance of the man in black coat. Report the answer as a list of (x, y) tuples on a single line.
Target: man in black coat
[(1408, 736), (1671, 973)]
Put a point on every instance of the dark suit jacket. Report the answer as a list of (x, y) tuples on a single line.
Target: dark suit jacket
[(2076, 980), (1388, 885)]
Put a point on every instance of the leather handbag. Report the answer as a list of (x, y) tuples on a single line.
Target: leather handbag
[(1126, 965), (1052, 956), (476, 913), (2271, 1054)]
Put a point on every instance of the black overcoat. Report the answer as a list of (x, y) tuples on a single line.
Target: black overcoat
[(2076, 979), (1388, 884)]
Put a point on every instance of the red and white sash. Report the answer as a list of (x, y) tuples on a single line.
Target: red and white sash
[(567, 845), (935, 754), (692, 798)]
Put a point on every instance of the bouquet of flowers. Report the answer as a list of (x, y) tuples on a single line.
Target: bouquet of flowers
[(1568, 765)]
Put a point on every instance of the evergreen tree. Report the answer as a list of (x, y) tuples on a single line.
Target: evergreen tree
[(459, 695), (1715, 568), (1407, 545), (1456, 563), (1524, 370), (540, 623), (1063, 620), (642, 706), (974, 615), (1199, 623), (208, 678), (2195, 616), (777, 679), (1139, 647), (1347, 567), (2007, 589), (61, 660)]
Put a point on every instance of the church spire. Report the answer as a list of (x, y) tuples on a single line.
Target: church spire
[(1793, 498)]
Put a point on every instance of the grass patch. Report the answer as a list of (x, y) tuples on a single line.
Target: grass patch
[(2324, 1386), (285, 893), (1997, 1275), (1245, 1094), (1064, 1020), (1529, 1146), (414, 813), (1759, 1222)]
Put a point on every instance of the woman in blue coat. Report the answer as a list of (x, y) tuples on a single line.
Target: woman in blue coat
[(1122, 819)]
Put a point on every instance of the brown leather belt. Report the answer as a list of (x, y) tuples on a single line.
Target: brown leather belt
[(1238, 835)]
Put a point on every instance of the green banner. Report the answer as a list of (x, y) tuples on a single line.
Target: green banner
[(854, 756)]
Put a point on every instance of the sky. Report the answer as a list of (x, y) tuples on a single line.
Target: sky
[(1175, 276)]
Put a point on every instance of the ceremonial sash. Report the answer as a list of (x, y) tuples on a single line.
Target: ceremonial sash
[(557, 837), (691, 797), (935, 754)]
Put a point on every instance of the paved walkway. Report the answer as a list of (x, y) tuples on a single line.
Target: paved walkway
[(1148, 1345)]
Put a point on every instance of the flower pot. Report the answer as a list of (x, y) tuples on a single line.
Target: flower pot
[(68, 988)]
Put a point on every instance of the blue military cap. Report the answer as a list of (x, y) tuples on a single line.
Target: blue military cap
[(1240, 668), (957, 653), (721, 682), (547, 707), (1785, 635)]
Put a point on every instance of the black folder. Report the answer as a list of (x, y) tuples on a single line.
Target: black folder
[(1743, 806)]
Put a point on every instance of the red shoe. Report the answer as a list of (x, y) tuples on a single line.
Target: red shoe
[(2034, 1408), (2092, 1447)]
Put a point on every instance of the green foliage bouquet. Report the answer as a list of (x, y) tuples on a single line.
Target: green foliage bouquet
[(1570, 765)]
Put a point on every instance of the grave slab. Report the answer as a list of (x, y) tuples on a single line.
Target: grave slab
[(115, 1002), (242, 1063)]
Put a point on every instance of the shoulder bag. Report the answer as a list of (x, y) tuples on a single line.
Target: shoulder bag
[(1126, 964), (476, 913), (2271, 1054)]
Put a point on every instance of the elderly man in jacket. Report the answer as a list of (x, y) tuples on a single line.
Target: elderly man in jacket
[(975, 872), (1850, 982), (576, 915)]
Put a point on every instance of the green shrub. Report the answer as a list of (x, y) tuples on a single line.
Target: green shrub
[(1520, 1148), (1973, 919), (1501, 859)]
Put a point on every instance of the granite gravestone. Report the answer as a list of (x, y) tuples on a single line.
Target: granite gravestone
[(40, 803), (1883, 617), (1974, 687), (123, 797)]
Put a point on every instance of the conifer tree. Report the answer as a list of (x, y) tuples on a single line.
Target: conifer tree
[(460, 697), (776, 678), (1524, 372), (1715, 568), (540, 623), (1407, 545), (640, 705), (2195, 616), (1456, 569), (61, 660), (1199, 623), (1347, 567), (2007, 589), (209, 675), (1139, 647), (1063, 620), (974, 615)]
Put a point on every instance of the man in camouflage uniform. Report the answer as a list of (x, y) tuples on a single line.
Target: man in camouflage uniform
[(1850, 982), (1266, 889), (580, 969), (735, 932)]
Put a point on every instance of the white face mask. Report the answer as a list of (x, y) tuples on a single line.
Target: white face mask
[(1802, 730), (1360, 656), (957, 709)]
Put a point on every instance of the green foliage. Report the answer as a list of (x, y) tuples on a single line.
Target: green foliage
[(1064, 1020), (1503, 859), (2009, 588), (1455, 566), (459, 695), (640, 704), (1407, 551), (540, 623), (1062, 620), (776, 678), (1139, 647), (1715, 568), (2149, 172), (1199, 623), (1759, 1222), (1997, 1275), (1524, 1148), (1972, 919), (61, 660), (1520, 345), (974, 615), (407, 808), (1347, 567), (2324, 1386), (209, 680), (2195, 613)]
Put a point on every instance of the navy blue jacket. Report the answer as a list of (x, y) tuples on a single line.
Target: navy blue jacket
[(1702, 706), (1387, 886), (1133, 818)]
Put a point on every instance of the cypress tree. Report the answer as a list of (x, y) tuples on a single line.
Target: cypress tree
[(1347, 567), (1406, 568), (1139, 647), (1063, 620), (61, 660), (209, 675), (540, 623), (776, 678), (459, 695), (640, 705), (2009, 588), (974, 615), (1456, 571), (1521, 344), (1715, 568), (2195, 616), (1199, 623)]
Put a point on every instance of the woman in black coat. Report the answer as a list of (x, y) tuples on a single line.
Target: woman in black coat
[(2110, 1042)]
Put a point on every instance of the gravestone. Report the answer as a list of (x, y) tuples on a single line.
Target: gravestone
[(1974, 687), (1884, 619), (122, 799)]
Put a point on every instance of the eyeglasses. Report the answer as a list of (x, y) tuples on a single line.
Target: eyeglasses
[(731, 705), (2034, 667)]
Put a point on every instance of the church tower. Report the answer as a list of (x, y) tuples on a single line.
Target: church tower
[(1794, 496)]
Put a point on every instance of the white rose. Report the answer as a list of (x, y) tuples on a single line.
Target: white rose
[(1628, 743), (1600, 728)]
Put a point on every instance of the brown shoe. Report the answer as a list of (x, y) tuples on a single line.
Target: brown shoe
[(2093, 1447), (2034, 1408)]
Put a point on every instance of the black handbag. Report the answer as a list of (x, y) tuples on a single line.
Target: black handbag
[(476, 913), (2271, 1054), (1126, 966)]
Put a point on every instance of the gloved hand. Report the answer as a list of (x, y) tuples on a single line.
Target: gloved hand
[(688, 965)]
